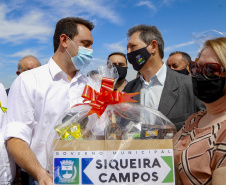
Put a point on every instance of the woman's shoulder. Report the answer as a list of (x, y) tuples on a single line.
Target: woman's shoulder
[(221, 134), (193, 120), (218, 145)]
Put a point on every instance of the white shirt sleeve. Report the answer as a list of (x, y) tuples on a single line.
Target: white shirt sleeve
[(7, 165), (20, 113)]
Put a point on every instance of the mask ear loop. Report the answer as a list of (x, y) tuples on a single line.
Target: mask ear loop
[(74, 43), (68, 53), (149, 45)]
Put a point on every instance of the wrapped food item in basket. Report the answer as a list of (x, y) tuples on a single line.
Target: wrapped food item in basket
[(111, 141)]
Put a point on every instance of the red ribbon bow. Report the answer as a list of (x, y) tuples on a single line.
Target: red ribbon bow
[(106, 96)]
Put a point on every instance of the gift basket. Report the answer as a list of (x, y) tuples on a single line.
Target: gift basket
[(110, 139)]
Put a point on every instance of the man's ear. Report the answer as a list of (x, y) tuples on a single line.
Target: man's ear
[(63, 40), (154, 47), (18, 73), (188, 67)]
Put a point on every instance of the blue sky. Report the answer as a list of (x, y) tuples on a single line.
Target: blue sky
[(27, 26)]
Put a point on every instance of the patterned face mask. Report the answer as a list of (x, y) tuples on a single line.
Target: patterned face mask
[(138, 58)]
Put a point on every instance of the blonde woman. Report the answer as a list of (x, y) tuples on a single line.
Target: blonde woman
[(201, 144)]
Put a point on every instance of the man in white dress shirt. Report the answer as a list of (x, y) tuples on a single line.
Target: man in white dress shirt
[(7, 165), (41, 95)]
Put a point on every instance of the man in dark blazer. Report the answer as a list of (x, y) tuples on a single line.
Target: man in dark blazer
[(175, 98)]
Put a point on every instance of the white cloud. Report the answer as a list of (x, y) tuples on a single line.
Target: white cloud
[(155, 7), (171, 48), (36, 22), (149, 4), (84, 8), (29, 26), (116, 47), (24, 53), (7, 80), (99, 10), (99, 61)]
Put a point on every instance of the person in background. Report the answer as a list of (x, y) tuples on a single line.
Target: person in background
[(179, 61), (40, 96), (26, 63), (201, 144), (119, 60), (7, 165), (161, 88)]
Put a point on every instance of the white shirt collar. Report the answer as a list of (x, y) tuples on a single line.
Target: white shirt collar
[(160, 75), (56, 70)]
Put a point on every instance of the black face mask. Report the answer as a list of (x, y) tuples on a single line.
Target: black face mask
[(183, 71), (122, 72), (208, 90), (138, 58)]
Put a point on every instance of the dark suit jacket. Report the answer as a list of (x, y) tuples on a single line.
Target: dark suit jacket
[(177, 101)]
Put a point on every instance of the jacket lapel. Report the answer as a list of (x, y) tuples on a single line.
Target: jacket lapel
[(137, 88), (169, 93)]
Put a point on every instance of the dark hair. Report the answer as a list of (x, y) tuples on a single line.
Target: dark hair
[(118, 53), (185, 56), (148, 34), (68, 26)]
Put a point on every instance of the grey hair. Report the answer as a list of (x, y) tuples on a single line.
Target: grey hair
[(148, 34)]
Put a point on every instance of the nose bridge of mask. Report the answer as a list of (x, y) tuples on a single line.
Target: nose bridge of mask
[(86, 49)]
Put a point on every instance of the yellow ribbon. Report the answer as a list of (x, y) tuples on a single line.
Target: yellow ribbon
[(69, 132), (3, 108)]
